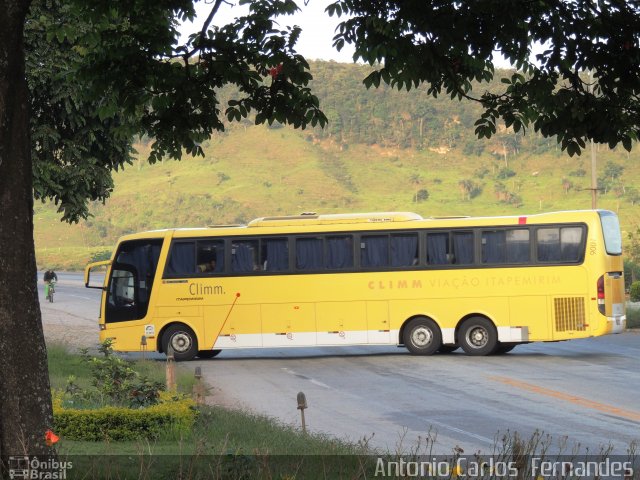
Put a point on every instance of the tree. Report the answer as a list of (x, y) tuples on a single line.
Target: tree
[(25, 399), (77, 80), (613, 170), (416, 180), (447, 45)]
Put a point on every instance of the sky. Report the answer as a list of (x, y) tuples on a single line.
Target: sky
[(318, 28)]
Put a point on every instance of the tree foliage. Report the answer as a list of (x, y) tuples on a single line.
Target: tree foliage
[(583, 85), (106, 71)]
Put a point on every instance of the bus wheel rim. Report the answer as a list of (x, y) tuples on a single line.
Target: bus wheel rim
[(421, 337), (181, 342), (477, 337)]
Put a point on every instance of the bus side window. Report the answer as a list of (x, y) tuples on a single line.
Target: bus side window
[(570, 243), (463, 248), (404, 250), (244, 256), (438, 249), (309, 254), (275, 254), (494, 246), (339, 252), (518, 246), (210, 256), (505, 246), (374, 251), (548, 240), (182, 260)]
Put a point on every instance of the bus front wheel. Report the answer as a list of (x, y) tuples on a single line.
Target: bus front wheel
[(478, 336), (182, 340), (422, 336)]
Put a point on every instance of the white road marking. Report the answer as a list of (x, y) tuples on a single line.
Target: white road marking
[(320, 384), (304, 377)]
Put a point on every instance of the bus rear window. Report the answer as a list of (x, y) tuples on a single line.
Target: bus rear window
[(611, 232)]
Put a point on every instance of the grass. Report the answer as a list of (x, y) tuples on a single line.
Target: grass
[(63, 364), (257, 171), (233, 444), (223, 444), (633, 317), (221, 430)]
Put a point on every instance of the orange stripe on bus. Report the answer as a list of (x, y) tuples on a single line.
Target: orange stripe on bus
[(574, 399)]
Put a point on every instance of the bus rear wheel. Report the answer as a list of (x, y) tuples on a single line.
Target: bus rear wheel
[(422, 336), (478, 336), (208, 353), (182, 340)]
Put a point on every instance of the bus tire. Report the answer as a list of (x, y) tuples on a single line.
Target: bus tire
[(448, 348), (204, 354), (478, 336), (422, 336), (183, 341), (503, 348)]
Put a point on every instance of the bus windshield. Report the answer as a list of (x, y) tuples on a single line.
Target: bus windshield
[(611, 232)]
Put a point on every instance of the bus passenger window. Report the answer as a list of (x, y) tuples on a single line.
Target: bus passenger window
[(404, 250), (559, 244), (463, 248), (182, 260), (339, 252), (374, 251), (493, 246), (570, 243), (244, 256), (518, 246), (438, 249), (309, 254), (505, 246), (210, 256), (275, 254)]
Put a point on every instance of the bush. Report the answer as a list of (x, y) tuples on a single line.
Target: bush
[(422, 195), (634, 292), (505, 173), (173, 414), (633, 317), (115, 381)]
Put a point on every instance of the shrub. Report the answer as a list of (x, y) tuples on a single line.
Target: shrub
[(634, 292), (100, 255), (505, 173), (115, 380), (173, 414), (633, 317), (422, 195)]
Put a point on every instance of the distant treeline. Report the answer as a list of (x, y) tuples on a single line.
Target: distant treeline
[(413, 119)]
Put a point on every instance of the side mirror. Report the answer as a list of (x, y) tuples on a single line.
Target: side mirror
[(100, 278)]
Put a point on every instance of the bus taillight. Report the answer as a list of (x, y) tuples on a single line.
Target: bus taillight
[(601, 299)]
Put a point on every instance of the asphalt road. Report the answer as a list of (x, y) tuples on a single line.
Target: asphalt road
[(582, 391)]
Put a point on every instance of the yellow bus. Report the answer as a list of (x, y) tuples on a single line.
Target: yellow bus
[(432, 285)]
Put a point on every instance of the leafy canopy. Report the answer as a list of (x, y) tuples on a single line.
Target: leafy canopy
[(101, 72), (584, 85)]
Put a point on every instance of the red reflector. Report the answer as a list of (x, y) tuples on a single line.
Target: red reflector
[(600, 287), (522, 220)]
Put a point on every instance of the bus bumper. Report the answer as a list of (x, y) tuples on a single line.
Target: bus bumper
[(616, 324)]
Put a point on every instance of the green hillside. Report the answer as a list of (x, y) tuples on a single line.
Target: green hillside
[(438, 169)]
